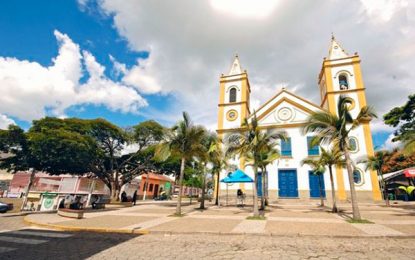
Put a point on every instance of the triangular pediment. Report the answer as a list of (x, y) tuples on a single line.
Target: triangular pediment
[(285, 108), (336, 51)]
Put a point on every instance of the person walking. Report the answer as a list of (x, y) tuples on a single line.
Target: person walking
[(134, 197)]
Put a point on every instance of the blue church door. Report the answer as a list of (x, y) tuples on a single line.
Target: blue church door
[(315, 186), (287, 184)]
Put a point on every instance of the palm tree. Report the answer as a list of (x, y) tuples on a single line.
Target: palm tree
[(334, 129), (376, 163), (267, 157), (251, 144), (184, 140), (318, 170), (330, 159), (219, 163)]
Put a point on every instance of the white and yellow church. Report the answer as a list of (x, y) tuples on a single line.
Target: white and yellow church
[(340, 75)]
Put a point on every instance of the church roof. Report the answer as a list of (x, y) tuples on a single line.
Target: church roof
[(284, 108), (336, 51)]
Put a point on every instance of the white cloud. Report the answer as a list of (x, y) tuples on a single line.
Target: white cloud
[(29, 89), (258, 9), (389, 145), (383, 10), (5, 122), (192, 42)]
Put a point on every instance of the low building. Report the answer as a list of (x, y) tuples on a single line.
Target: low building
[(47, 191)]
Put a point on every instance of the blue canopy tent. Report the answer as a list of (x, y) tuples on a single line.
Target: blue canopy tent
[(237, 176)]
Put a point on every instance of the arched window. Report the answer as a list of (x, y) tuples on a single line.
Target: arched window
[(353, 145), (343, 83), (232, 95), (357, 177)]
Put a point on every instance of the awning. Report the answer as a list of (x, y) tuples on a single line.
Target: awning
[(237, 176), (409, 172)]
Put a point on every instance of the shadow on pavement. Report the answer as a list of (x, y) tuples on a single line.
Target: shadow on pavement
[(46, 244)]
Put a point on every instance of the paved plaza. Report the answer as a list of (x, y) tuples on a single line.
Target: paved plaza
[(291, 231), (283, 219)]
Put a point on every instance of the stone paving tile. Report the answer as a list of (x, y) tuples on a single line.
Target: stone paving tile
[(390, 216), (301, 214), (308, 220), (154, 210), (329, 229), (109, 221), (377, 230), (406, 229), (151, 223), (250, 226), (186, 224), (208, 246), (224, 212)]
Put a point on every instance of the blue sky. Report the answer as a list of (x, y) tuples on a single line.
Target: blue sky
[(163, 57)]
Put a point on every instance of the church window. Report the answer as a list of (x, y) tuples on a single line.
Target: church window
[(312, 150), (343, 83), (353, 144), (357, 177), (286, 147), (232, 95)]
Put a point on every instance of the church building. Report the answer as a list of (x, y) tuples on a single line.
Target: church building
[(340, 74)]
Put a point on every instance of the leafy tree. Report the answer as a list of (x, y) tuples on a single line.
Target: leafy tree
[(251, 144), (332, 158), (318, 169), (183, 140), (334, 129), (376, 163), (397, 160), (46, 147), (404, 118)]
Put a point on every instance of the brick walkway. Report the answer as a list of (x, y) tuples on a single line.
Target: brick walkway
[(280, 220)]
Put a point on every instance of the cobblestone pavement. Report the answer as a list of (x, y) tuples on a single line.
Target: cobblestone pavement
[(203, 246)]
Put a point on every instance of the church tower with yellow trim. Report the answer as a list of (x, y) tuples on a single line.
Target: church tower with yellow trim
[(234, 97), (341, 75)]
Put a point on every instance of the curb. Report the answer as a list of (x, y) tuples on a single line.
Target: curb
[(85, 229)]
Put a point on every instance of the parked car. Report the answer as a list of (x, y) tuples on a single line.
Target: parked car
[(4, 207)]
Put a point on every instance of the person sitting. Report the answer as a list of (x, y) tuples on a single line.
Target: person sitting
[(124, 197), (240, 198)]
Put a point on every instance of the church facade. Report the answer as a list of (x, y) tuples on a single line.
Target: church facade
[(340, 74)]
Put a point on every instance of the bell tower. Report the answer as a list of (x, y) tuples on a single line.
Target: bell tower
[(234, 97), (341, 75)]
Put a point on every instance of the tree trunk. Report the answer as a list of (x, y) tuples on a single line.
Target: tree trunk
[(321, 191), (202, 202), (263, 189), (179, 198), (333, 192), (29, 186), (217, 189), (385, 194), (256, 212), (355, 206)]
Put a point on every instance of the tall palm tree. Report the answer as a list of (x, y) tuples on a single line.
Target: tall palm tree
[(334, 129), (330, 159), (251, 144), (268, 156), (376, 163), (318, 170), (184, 140), (219, 163)]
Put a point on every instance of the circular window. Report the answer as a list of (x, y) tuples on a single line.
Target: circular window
[(358, 177), (353, 144), (231, 115)]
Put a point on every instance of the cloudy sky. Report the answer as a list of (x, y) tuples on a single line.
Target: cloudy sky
[(128, 61)]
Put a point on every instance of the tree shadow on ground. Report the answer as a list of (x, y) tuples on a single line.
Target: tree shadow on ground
[(46, 244)]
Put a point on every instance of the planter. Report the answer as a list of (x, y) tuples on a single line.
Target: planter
[(71, 213)]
